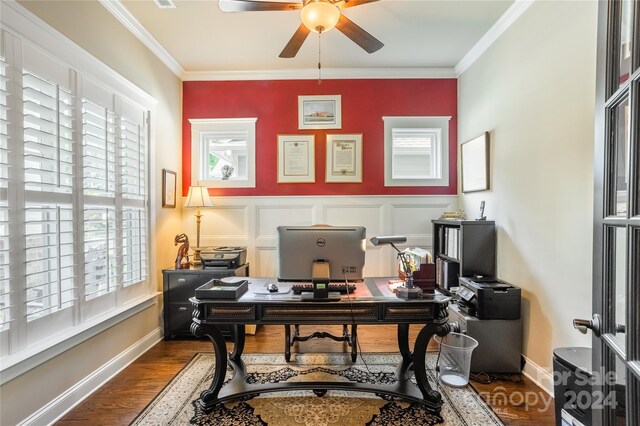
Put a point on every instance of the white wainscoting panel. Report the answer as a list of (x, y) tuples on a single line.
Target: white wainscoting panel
[(269, 217), (252, 222)]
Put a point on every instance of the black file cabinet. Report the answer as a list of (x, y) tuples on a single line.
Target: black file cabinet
[(178, 286)]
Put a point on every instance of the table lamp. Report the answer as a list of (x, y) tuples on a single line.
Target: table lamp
[(198, 197), (408, 290)]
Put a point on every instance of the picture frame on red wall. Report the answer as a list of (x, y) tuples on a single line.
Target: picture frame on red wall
[(320, 112), (296, 159), (344, 158)]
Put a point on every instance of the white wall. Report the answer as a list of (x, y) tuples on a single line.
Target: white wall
[(252, 222), (89, 25), (534, 90)]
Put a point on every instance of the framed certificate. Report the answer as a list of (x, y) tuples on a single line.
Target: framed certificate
[(296, 160), (344, 158)]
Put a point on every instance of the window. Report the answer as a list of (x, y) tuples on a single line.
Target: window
[(416, 151), (223, 152), (73, 162)]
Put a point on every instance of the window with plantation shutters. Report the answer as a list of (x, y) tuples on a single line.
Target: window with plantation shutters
[(5, 273), (48, 218), (74, 208)]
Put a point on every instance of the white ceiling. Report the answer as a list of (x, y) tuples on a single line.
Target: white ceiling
[(198, 38)]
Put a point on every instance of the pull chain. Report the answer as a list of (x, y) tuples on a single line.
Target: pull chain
[(319, 56)]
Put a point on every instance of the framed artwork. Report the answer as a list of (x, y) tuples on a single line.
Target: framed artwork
[(168, 188), (474, 158), (344, 158), (320, 112), (296, 161)]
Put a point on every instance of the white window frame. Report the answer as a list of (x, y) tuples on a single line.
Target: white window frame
[(222, 125), (20, 31), (439, 128)]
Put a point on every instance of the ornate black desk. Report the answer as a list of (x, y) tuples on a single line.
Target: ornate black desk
[(371, 303)]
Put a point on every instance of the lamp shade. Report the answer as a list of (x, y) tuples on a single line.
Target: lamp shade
[(319, 16), (198, 196)]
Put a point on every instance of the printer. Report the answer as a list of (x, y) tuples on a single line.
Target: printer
[(223, 257), (488, 298)]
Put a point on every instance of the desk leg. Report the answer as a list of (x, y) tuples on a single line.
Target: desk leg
[(287, 342), (354, 342), (209, 397), (419, 359), (238, 347), (403, 372)]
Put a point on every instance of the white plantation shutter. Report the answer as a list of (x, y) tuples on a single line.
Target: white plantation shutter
[(5, 255), (133, 165), (134, 250), (48, 135), (48, 117), (49, 255), (100, 251), (74, 212), (99, 149)]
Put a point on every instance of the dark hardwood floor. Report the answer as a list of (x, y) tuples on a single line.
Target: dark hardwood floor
[(516, 399)]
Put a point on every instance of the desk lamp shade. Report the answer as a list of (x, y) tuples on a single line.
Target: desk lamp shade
[(198, 197)]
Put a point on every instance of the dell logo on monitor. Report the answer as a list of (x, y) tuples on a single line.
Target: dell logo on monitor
[(320, 242)]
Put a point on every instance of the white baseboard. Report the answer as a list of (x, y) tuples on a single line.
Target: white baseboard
[(65, 402), (540, 376)]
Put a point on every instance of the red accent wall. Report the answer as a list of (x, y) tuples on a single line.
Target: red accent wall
[(364, 103)]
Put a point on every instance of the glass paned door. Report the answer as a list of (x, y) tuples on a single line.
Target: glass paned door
[(616, 273)]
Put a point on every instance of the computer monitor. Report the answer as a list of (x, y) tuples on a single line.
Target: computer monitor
[(300, 246)]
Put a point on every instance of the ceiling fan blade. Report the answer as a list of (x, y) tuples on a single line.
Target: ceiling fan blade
[(291, 49), (253, 6), (351, 3), (358, 35)]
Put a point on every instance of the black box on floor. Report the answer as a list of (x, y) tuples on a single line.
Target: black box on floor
[(490, 298)]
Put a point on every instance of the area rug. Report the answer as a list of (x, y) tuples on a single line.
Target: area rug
[(175, 404)]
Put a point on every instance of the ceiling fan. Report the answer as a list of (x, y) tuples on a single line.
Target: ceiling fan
[(317, 15)]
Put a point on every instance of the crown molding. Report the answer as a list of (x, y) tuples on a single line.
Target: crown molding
[(327, 74), (506, 20), (131, 23)]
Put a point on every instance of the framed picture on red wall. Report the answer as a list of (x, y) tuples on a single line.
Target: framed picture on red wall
[(344, 159), (320, 112), (296, 160)]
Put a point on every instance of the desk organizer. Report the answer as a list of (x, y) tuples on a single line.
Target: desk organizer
[(425, 277), (216, 289)]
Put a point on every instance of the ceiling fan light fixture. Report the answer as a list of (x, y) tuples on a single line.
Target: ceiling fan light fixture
[(320, 16)]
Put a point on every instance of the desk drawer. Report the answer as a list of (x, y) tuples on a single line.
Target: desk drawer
[(229, 313), (311, 312), (408, 311)]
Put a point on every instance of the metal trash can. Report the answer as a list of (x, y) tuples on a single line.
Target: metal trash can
[(572, 378), (454, 359)]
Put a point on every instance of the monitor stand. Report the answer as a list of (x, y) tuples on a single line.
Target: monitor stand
[(334, 296)]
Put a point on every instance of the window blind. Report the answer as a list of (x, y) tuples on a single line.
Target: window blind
[(99, 149), (134, 248), (100, 251), (5, 301)]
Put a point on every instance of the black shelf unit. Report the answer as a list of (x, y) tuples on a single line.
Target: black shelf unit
[(178, 286), (463, 248)]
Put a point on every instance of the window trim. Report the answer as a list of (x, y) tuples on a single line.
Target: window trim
[(418, 122), (199, 125)]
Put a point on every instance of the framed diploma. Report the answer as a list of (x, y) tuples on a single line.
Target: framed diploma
[(344, 158), (474, 156), (296, 161)]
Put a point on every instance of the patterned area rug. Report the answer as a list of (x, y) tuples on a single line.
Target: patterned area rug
[(174, 405)]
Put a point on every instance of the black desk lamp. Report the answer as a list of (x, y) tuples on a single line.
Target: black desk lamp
[(408, 290)]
